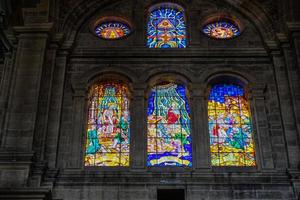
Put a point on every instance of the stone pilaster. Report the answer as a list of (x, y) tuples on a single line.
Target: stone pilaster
[(138, 139), (76, 140), (263, 147), (6, 82), (200, 137), (286, 108), (55, 109), (23, 99), (22, 104), (294, 32), (44, 103)]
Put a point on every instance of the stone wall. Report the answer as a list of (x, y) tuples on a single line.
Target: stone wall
[(55, 58)]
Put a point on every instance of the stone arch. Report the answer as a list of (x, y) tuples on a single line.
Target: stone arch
[(96, 74), (106, 109), (165, 77), (179, 3), (151, 7), (148, 74), (230, 121), (81, 12), (84, 11), (257, 16), (168, 103), (211, 73), (246, 80)]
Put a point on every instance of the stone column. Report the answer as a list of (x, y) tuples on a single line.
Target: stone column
[(138, 139), (263, 146), (75, 141), (20, 122), (55, 109), (23, 100), (294, 48), (286, 108), (294, 32), (200, 135), (6, 81), (296, 40), (39, 140)]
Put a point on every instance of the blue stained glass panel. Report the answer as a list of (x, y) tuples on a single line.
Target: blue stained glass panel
[(169, 139), (166, 28), (230, 128)]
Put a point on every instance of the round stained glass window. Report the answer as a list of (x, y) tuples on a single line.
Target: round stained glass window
[(221, 30), (112, 30)]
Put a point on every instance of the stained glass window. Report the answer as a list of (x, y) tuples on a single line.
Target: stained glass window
[(221, 30), (108, 130), (230, 127), (112, 30), (166, 28), (169, 139)]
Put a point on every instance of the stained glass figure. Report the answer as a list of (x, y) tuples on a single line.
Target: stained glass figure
[(166, 28), (108, 130), (221, 30), (230, 127), (169, 139), (112, 30)]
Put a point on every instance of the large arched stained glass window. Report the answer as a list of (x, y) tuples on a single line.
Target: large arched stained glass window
[(230, 127), (169, 139), (166, 27), (108, 129)]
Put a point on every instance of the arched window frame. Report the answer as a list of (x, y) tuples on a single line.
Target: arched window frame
[(228, 78), (222, 17), (108, 77), (168, 5), (111, 18), (158, 80)]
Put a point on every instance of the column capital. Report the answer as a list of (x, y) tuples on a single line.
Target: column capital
[(198, 90), (273, 46), (139, 89), (283, 40), (293, 27)]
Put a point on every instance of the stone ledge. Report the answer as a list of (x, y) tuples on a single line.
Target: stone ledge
[(15, 156), (293, 26), (170, 53), (34, 28), (80, 177), (30, 193)]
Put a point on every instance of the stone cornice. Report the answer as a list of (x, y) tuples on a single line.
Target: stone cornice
[(293, 26), (26, 193), (272, 45), (282, 38), (96, 177), (15, 157), (159, 53), (33, 28)]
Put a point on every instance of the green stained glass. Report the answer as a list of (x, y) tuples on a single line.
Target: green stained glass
[(108, 129), (169, 139)]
